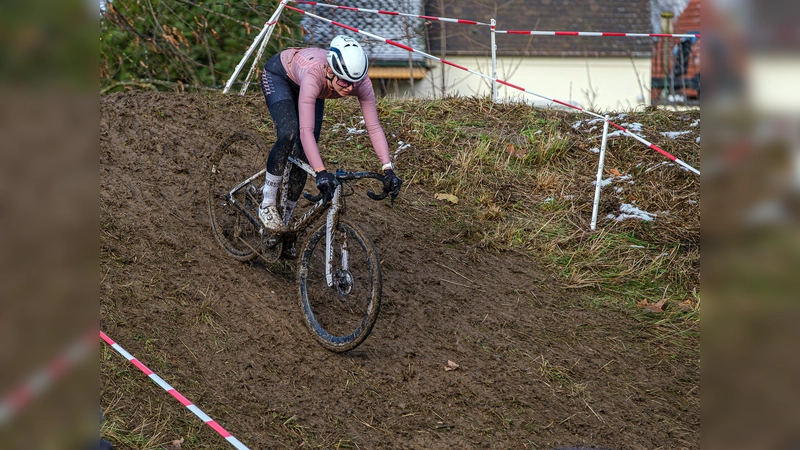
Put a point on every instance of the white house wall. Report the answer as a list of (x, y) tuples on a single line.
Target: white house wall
[(599, 84), (769, 83)]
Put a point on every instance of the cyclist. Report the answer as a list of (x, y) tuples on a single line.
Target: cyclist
[(296, 83)]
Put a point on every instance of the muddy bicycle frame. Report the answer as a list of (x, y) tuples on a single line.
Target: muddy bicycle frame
[(335, 207)]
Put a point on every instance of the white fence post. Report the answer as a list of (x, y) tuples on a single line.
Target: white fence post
[(494, 63), (260, 53), (599, 174), (269, 26)]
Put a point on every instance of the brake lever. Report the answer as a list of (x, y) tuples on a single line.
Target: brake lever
[(375, 196), (380, 196)]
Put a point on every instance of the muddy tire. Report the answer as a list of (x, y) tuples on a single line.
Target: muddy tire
[(340, 316), (235, 160)]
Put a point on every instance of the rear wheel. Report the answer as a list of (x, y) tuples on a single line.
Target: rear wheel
[(341, 315), (239, 157)]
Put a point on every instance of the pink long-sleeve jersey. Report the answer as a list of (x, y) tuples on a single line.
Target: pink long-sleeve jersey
[(307, 67)]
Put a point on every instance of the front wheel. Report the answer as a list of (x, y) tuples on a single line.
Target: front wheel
[(340, 315)]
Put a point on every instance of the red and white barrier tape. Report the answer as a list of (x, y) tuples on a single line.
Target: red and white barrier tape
[(595, 34), (449, 63), (170, 390), (391, 13), (42, 379)]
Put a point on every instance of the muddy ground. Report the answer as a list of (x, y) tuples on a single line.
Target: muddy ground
[(537, 367)]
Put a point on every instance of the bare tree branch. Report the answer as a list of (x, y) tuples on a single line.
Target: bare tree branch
[(242, 23)]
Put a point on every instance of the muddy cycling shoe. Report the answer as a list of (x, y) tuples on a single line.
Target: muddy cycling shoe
[(289, 251), (271, 219)]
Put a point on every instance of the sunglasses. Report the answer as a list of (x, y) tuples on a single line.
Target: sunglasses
[(344, 83)]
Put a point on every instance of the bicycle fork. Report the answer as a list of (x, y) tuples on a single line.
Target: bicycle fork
[(339, 277)]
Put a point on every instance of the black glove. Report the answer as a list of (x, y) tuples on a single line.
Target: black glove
[(326, 184), (391, 183)]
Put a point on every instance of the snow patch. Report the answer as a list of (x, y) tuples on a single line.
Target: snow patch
[(577, 124), (634, 127), (400, 147), (604, 183), (628, 211), (674, 134), (626, 178)]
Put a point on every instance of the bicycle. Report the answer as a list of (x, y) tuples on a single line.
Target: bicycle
[(339, 273)]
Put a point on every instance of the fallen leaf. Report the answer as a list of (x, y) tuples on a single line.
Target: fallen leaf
[(652, 307), (449, 197), (687, 305), (615, 172), (450, 366), (511, 150), (176, 444)]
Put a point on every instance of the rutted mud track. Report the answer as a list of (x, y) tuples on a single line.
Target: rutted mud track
[(535, 369)]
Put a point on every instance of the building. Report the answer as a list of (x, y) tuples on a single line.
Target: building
[(597, 73)]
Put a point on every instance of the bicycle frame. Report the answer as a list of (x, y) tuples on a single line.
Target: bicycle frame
[(335, 208), (229, 197), (332, 219)]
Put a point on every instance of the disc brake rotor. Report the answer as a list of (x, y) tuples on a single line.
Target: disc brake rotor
[(344, 282)]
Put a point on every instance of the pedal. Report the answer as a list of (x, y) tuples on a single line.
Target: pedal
[(272, 241), (272, 249)]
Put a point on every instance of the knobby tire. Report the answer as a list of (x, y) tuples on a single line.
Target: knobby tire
[(339, 319)]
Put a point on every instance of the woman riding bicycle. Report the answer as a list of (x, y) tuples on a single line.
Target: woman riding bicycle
[(296, 83)]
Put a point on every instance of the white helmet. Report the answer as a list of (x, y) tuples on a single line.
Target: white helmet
[(347, 59)]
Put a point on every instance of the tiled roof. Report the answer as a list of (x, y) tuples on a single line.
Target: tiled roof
[(396, 28), (689, 19), (628, 16)]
